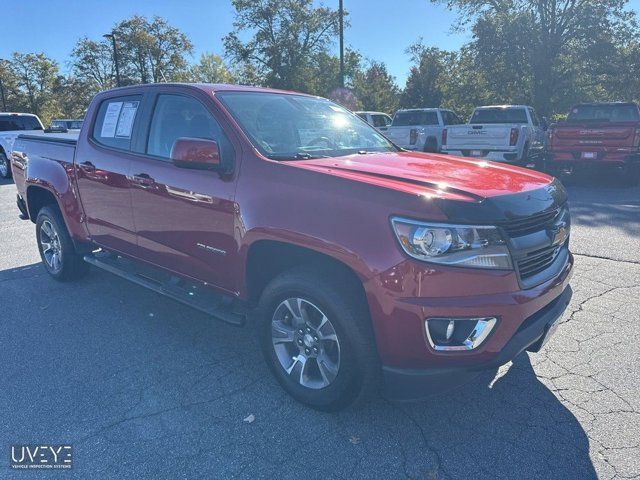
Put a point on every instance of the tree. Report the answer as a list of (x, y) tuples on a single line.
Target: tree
[(72, 96), (285, 36), (151, 51), (424, 84), (376, 89), (545, 41), (211, 69), (92, 62), (12, 99), (36, 77)]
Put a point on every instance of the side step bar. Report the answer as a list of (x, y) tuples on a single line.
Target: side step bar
[(193, 294)]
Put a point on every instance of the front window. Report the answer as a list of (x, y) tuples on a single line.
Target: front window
[(10, 123), (499, 115), (285, 127)]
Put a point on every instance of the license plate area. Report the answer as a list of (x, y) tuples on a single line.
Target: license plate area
[(475, 153), (589, 155)]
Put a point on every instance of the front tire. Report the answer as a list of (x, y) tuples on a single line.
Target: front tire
[(57, 251), (316, 337), (5, 166)]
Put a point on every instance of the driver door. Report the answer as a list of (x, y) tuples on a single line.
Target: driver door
[(184, 218)]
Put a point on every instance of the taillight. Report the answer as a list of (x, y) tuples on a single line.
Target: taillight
[(444, 136), (513, 138), (636, 140), (413, 136)]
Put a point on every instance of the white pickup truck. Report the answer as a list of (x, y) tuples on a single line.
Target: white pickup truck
[(420, 128), (12, 125), (503, 133)]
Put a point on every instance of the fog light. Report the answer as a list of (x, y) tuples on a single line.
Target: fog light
[(458, 334)]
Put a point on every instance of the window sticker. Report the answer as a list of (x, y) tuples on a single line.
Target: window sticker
[(127, 116), (111, 120)]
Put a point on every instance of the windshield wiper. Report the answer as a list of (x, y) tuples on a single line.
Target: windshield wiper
[(297, 156)]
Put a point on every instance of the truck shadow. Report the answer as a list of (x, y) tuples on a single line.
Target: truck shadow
[(505, 426), (134, 368)]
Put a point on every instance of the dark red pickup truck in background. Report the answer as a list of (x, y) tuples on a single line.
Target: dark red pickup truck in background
[(353, 260), (597, 136)]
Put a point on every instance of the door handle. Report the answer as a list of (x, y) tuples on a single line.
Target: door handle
[(88, 166), (143, 179)]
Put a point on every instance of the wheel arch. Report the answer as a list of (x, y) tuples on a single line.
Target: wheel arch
[(266, 259)]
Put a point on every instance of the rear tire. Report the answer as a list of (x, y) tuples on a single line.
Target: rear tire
[(327, 365), (57, 251), (5, 166), (431, 145)]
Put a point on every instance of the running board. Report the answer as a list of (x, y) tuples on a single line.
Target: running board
[(194, 294)]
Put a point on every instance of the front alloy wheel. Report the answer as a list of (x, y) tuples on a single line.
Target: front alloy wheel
[(305, 343)]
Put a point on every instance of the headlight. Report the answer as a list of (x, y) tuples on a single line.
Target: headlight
[(455, 245)]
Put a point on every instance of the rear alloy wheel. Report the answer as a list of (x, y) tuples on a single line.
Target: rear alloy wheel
[(57, 250), (5, 168)]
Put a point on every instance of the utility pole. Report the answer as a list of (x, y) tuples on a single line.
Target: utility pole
[(4, 100), (112, 36), (341, 13)]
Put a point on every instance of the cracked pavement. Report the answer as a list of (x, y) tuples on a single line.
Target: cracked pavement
[(143, 387)]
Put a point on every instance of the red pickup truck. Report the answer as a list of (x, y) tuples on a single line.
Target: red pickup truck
[(597, 136), (357, 263)]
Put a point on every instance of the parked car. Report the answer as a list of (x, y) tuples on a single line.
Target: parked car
[(597, 136), (379, 120), (505, 133), (11, 125), (355, 259), (66, 124), (421, 128)]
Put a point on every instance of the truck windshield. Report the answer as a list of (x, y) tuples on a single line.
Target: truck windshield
[(603, 113), (10, 123), (414, 117), (499, 115), (289, 127)]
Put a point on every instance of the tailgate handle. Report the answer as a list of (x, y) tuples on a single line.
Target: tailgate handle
[(477, 127), (143, 179), (88, 166)]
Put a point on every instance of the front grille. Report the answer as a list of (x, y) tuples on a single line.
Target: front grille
[(537, 261), (531, 224)]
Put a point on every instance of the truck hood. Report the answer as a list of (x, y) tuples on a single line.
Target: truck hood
[(431, 175)]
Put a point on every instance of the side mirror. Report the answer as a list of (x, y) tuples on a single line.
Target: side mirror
[(196, 153)]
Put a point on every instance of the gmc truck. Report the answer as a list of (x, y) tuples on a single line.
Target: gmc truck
[(11, 125), (356, 263), (420, 129), (603, 136), (504, 133)]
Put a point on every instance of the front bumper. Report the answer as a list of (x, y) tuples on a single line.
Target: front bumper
[(410, 384)]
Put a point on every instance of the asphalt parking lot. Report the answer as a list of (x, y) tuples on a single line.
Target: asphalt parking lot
[(143, 387)]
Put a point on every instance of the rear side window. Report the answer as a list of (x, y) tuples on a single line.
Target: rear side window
[(115, 121), (10, 123), (177, 116), (604, 113), (413, 118)]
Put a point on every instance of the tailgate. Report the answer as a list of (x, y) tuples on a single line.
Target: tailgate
[(581, 136), (399, 135), (483, 137)]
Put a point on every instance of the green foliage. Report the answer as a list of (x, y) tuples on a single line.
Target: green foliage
[(376, 89), (286, 39), (211, 69)]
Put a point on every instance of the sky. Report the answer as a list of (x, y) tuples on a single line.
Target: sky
[(380, 29)]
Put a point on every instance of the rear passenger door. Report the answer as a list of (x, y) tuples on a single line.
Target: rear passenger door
[(102, 169), (185, 219)]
